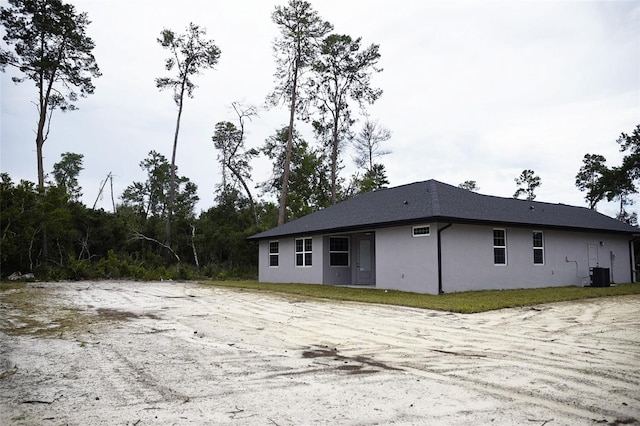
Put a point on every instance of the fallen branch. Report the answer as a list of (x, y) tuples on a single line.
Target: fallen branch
[(236, 412), (544, 422), (39, 401), (138, 236), (461, 354)]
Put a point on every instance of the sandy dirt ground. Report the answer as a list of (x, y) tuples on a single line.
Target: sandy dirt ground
[(182, 353)]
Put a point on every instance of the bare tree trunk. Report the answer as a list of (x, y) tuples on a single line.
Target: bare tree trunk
[(193, 246), (39, 143), (287, 161), (42, 111), (40, 138), (242, 113), (334, 161), (103, 183), (247, 190), (172, 181), (113, 202)]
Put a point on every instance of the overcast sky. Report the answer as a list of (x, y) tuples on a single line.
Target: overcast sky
[(473, 90)]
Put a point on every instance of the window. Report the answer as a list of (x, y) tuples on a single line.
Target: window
[(421, 231), (538, 248), (339, 251), (499, 247), (303, 252), (274, 254)]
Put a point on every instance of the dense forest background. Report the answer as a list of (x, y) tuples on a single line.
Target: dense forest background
[(82, 242)]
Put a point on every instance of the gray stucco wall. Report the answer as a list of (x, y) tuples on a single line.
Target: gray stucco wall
[(404, 262), (408, 263), (337, 275), (467, 253), (286, 271)]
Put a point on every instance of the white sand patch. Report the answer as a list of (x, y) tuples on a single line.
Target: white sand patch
[(181, 353)]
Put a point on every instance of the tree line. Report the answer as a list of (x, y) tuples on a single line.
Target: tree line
[(323, 78)]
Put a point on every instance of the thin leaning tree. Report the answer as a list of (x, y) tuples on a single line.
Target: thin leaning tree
[(190, 54), (234, 157), (52, 49), (301, 31)]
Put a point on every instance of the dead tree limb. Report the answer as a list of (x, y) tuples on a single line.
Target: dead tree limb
[(138, 236), (113, 201), (102, 184), (193, 246)]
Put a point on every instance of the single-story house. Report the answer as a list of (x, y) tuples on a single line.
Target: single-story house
[(430, 237)]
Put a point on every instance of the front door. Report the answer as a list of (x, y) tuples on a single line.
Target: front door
[(365, 264)]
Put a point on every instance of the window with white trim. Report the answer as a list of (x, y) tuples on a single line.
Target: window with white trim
[(303, 252), (274, 254), (499, 247), (339, 251), (421, 231), (538, 248)]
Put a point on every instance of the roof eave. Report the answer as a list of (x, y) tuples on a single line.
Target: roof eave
[(462, 221)]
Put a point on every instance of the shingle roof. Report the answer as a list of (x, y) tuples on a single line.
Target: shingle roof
[(431, 201)]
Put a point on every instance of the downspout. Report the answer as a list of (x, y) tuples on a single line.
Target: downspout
[(440, 291), (632, 259)]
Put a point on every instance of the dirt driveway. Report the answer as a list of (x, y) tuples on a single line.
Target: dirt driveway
[(131, 353)]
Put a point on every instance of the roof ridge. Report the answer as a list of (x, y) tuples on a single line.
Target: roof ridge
[(524, 200), (432, 188)]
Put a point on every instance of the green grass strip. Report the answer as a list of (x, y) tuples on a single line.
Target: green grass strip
[(463, 302)]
